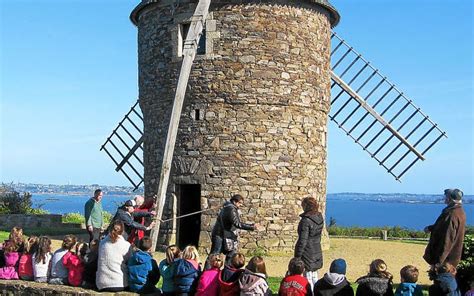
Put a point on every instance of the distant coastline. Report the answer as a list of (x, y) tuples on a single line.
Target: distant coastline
[(75, 190)]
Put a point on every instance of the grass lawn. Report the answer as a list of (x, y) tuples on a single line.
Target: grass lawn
[(3, 235)]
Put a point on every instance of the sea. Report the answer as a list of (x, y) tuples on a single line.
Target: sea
[(410, 211)]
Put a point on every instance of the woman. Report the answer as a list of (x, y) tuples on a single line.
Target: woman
[(114, 251), (308, 246)]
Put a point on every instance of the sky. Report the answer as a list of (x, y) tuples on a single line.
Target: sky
[(69, 74)]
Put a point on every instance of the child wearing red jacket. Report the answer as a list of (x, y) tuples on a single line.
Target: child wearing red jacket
[(74, 263), (229, 276), (25, 265), (295, 283)]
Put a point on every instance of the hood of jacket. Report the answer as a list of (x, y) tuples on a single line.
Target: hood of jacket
[(334, 279), (376, 285), (139, 257), (407, 288), (184, 268), (250, 281), (447, 282), (316, 217)]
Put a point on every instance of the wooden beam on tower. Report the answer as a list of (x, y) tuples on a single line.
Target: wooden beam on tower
[(189, 53)]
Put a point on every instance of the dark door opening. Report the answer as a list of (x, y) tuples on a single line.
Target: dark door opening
[(189, 228)]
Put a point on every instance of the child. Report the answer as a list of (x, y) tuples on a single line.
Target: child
[(74, 263), (408, 287), (254, 279), (12, 256), (25, 265), (334, 282), (229, 276), (59, 273), (444, 282), (167, 270), (378, 282), (186, 272), (471, 291), (208, 283), (15, 241), (16, 237), (295, 284), (41, 260), (143, 272), (90, 265)]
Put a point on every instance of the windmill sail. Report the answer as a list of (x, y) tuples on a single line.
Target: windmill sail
[(375, 114), (125, 146)]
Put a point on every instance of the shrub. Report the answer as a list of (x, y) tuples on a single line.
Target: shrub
[(73, 218), (12, 202), (465, 269), (395, 231), (107, 217)]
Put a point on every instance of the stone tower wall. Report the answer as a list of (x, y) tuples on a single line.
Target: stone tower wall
[(255, 113)]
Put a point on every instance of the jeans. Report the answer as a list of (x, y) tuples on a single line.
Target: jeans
[(312, 277), (216, 248), (94, 234)]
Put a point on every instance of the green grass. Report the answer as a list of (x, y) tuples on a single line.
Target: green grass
[(4, 235), (38, 231)]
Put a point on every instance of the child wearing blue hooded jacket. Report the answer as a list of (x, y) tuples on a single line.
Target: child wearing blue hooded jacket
[(409, 277), (143, 272), (444, 282), (186, 272)]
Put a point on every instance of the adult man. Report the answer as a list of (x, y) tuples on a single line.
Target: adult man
[(225, 234), (93, 215), (126, 213), (447, 234)]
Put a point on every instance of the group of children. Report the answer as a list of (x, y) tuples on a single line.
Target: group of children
[(75, 264), (32, 260)]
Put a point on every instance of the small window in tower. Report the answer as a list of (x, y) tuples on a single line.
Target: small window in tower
[(183, 32), (197, 114)]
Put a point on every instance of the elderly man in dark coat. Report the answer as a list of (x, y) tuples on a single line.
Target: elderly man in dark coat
[(447, 234), (308, 246)]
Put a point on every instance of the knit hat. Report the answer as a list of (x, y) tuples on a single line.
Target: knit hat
[(130, 203), (454, 194), (338, 266)]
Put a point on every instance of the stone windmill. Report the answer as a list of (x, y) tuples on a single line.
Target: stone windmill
[(234, 97)]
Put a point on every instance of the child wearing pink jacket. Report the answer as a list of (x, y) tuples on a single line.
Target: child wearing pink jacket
[(11, 255), (209, 281), (74, 263)]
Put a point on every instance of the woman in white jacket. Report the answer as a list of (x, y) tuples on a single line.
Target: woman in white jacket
[(114, 251)]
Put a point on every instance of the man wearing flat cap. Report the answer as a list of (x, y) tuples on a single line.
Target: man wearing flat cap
[(447, 234)]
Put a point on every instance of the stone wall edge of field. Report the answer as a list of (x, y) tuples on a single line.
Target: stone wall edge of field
[(30, 220), (26, 288)]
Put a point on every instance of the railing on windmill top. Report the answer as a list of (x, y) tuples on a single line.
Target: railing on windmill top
[(364, 104)]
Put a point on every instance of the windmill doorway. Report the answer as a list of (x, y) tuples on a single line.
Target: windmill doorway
[(188, 228)]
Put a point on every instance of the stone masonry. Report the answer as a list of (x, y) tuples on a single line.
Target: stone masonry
[(254, 121)]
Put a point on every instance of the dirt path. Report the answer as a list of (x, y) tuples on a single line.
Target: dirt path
[(357, 252)]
